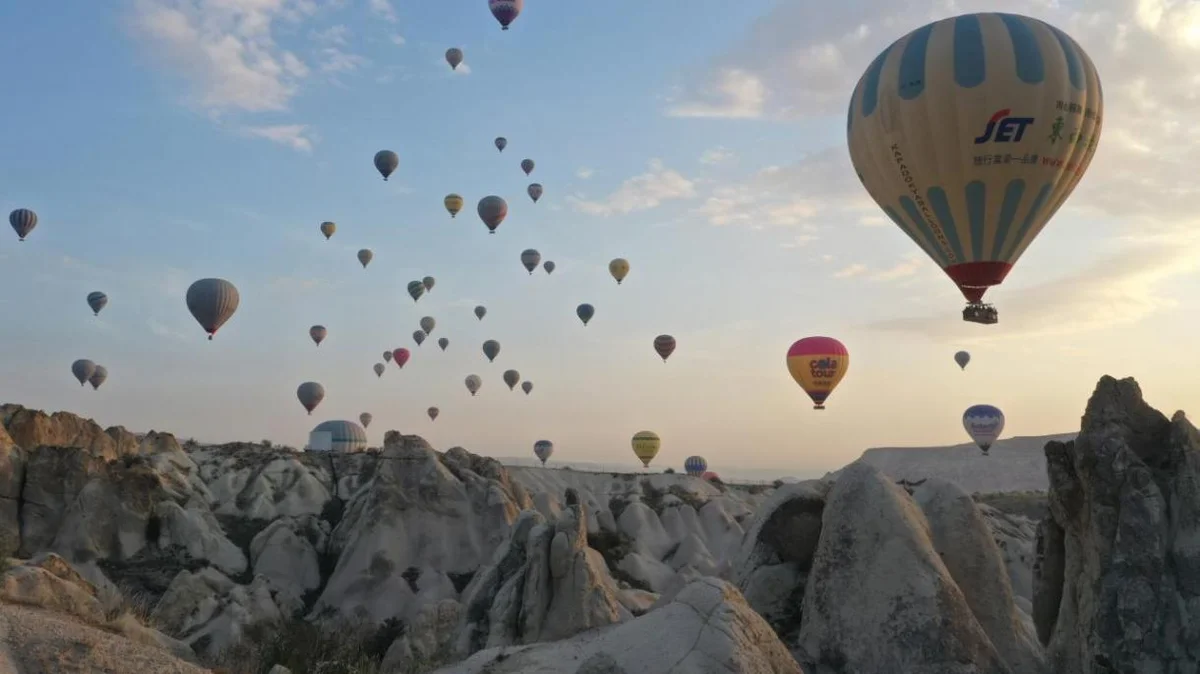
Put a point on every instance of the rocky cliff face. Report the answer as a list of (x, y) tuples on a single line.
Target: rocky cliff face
[(1118, 569)]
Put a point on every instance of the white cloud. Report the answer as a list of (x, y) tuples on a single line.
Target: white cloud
[(398, 40), (734, 93), (383, 9), (716, 155), (462, 69), (855, 269), (226, 49), (908, 267), (640, 192), (584, 173), (335, 60), (799, 241), (337, 35), (296, 136), (161, 330)]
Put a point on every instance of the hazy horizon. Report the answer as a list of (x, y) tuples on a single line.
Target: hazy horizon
[(163, 141)]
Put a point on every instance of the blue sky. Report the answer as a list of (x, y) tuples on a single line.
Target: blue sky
[(161, 141)]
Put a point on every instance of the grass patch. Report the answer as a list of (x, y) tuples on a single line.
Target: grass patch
[(301, 646), (1031, 504)]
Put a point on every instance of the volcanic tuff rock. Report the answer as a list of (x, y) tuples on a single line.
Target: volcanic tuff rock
[(1118, 572)]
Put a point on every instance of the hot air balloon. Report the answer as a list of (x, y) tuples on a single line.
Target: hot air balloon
[(970, 133), (710, 476), (98, 377), (328, 228), (530, 259), (645, 446), (379, 368), (505, 11), (310, 394), (535, 191), (387, 356), (419, 337), (962, 358), (984, 423), (491, 349), (428, 282), (416, 289), (480, 312), (695, 465), (97, 301), (664, 345), (212, 302), (542, 449), (619, 268), (501, 143), (443, 342), (453, 203), (365, 418), (318, 332), (527, 166), (83, 369), (454, 56), (492, 210), (527, 387), (23, 221), (365, 256), (343, 436), (473, 383), (386, 162), (818, 364), (549, 266), (401, 356), (433, 413), (585, 312), (428, 324), (512, 378)]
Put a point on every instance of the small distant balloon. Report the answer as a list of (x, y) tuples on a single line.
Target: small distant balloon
[(98, 377), (645, 446), (400, 357), (492, 211), (542, 449), (419, 337), (379, 368), (416, 289), (962, 358), (549, 266), (506, 11), (83, 369), (501, 143), (22, 221), (212, 302), (453, 203), (454, 56), (386, 162), (818, 364), (530, 259), (318, 332), (512, 377), (473, 383), (491, 349), (387, 356), (428, 324), (664, 346), (328, 228), (365, 418), (428, 282), (695, 465), (527, 166), (527, 387), (984, 423), (480, 312), (97, 301), (443, 342), (535, 192), (585, 312), (433, 413), (619, 268), (310, 394), (365, 256)]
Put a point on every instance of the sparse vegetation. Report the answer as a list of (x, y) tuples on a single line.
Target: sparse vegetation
[(1031, 504), (613, 546), (687, 497), (669, 471), (652, 496), (302, 646)]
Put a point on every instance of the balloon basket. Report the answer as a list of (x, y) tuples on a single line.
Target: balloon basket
[(984, 314)]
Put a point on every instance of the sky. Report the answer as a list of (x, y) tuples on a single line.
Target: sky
[(163, 141)]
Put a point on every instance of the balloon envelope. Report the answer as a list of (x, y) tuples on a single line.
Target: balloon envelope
[(386, 162), (415, 290), (695, 465), (365, 256), (387, 355), (542, 449), (480, 312), (473, 383), (454, 56), (83, 369), (401, 356), (318, 332), (453, 203), (433, 413), (962, 358), (527, 387), (365, 418), (818, 364), (527, 166), (512, 378), (970, 133), (310, 394), (664, 346), (428, 282), (428, 324), (645, 446), (506, 11), (549, 266), (22, 221), (530, 259), (419, 337), (212, 302), (443, 342), (328, 228), (97, 301), (619, 268), (984, 423), (98, 377), (585, 312), (535, 192), (492, 211), (501, 143), (491, 349), (379, 368)]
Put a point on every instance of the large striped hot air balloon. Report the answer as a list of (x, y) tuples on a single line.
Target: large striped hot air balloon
[(984, 423), (645, 446), (542, 449), (970, 133), (818, 364), (695, 465), (453, 204)]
